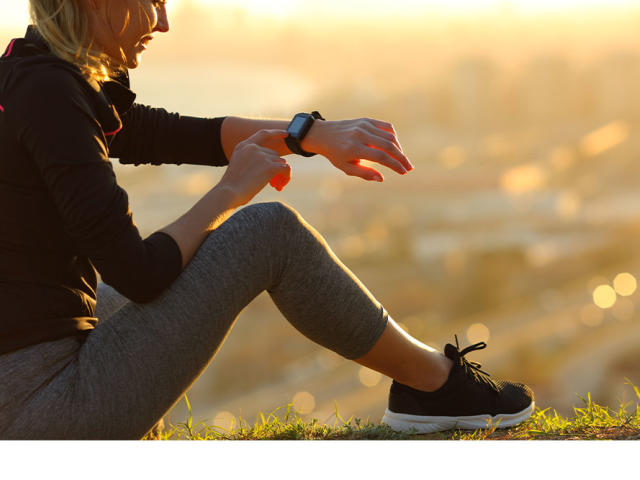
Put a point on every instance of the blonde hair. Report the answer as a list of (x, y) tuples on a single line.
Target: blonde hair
[(65, 27)]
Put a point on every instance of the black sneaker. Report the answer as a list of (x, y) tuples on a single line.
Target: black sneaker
[(469, 399)]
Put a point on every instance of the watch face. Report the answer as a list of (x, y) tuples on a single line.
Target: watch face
[(296, 125)]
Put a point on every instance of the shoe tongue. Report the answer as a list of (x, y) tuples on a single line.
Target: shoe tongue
[(451, 352)]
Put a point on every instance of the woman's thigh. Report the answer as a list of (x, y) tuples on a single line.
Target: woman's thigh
[(139, 361)]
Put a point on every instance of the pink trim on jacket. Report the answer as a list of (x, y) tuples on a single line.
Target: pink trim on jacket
[(9, 48), (1, 109), (113, 133)]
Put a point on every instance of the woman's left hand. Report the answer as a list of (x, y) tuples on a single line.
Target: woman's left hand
[(345, 143)]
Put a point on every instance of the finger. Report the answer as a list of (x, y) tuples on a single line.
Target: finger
[(404, 161), (383, 158), (356, 169), (386, 126), (257, 151), (279, 182), (262, 137), (387, 131), (268, 152), (389, 147), (277, 165), (281, 179), (369, 127)]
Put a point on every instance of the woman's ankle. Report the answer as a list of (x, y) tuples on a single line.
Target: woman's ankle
[(432, 380)]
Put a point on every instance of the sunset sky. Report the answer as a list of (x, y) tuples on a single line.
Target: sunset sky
[(15, 12)]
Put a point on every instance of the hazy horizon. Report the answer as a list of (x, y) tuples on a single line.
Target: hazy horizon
[(404, 10)]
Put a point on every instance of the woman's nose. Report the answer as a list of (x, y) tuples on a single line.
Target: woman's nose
[(163, 20)]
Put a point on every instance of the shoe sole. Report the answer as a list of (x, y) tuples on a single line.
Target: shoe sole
[(402, 422)]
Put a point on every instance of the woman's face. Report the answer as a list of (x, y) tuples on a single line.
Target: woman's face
[(122, 29)]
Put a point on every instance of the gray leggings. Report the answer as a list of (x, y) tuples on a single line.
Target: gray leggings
[(140, 359)]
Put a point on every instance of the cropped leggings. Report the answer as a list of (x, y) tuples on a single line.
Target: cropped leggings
[(135, 365)]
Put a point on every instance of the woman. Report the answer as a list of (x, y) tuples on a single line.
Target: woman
[(82, 360)]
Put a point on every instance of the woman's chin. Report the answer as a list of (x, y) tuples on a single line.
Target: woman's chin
[(133, 61), (133, 57)]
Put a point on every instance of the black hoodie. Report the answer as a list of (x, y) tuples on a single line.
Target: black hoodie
[(62, 213)]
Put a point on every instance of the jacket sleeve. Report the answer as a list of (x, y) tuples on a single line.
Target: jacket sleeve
[(155, 136), (56, 123)]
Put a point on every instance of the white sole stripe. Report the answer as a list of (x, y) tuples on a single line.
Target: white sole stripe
[(403, 422)]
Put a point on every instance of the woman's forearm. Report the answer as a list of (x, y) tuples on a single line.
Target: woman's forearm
[(235, 130), (191, 229), (343, 142), (251, 166)]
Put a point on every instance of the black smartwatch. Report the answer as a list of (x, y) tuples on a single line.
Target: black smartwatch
[(298, 128)]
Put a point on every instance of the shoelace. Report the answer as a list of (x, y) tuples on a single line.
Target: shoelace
[(473, 368)]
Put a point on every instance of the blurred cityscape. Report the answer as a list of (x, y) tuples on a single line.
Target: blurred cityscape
[(519, 225)]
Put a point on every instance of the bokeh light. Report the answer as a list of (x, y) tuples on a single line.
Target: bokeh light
[(605, 138), (368, 377), (604, 296), (303, 402), (224, 420), (523, 179), (625, 284), (478, 332)]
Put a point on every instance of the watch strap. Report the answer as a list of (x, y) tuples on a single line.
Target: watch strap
[(294, 146), (294, 143)]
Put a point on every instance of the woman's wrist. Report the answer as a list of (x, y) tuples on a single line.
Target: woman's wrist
[(190, 230), (226, 196), (237, 129), (313, 141)]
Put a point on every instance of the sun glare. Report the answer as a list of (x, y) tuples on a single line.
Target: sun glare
[(273, 8), (528, 6), (366, 8), (15, 12)]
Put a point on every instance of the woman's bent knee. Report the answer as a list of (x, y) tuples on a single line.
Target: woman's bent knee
[(273, 216)]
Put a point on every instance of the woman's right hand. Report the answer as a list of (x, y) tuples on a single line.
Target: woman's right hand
[(252, 165)]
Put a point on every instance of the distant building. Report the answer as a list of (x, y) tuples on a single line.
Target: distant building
[(617, 87), (474, 91), (546, 91)]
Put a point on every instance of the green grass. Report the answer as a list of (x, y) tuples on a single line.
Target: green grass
[(590, 422)]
